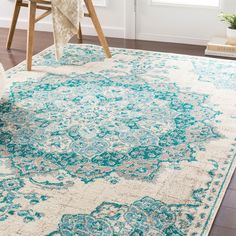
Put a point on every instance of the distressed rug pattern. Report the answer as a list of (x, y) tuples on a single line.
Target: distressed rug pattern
[(140, 144)]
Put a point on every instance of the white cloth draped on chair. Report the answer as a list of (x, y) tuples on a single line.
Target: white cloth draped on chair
[(66, 17)]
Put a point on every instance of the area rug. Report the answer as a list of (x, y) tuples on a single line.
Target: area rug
[(140, 144)]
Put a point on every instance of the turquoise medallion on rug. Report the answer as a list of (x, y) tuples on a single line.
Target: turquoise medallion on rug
[(142, 144)]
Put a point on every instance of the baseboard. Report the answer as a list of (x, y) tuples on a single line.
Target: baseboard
[(111, 32), (172, 39), (115, 32)]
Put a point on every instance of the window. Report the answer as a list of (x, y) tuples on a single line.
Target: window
[(211, 3)]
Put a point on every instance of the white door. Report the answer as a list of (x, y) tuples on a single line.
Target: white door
[(181, 21)]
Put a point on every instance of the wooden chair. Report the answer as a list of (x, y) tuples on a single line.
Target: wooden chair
[(33, 5)]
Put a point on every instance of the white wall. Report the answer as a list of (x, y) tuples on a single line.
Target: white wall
[(194, 25), (112, 17)]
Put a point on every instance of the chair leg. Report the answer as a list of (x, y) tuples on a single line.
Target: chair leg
[(30, 33), (13, 23), (79, 34), (98, 27)]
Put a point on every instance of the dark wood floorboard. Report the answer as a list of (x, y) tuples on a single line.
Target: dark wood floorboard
[(222, 231), (233, 183), (225, 222)]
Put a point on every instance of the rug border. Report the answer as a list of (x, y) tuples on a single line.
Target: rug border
[(220, 196), (218, 202)]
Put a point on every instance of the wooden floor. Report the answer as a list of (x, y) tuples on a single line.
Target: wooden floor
[(225, 222)]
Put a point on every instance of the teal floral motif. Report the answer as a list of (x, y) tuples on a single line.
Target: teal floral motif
[(11, 184), (143, 217), (146, 216), (116, 126), (70, 56), (10, 191), (221, 74)]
